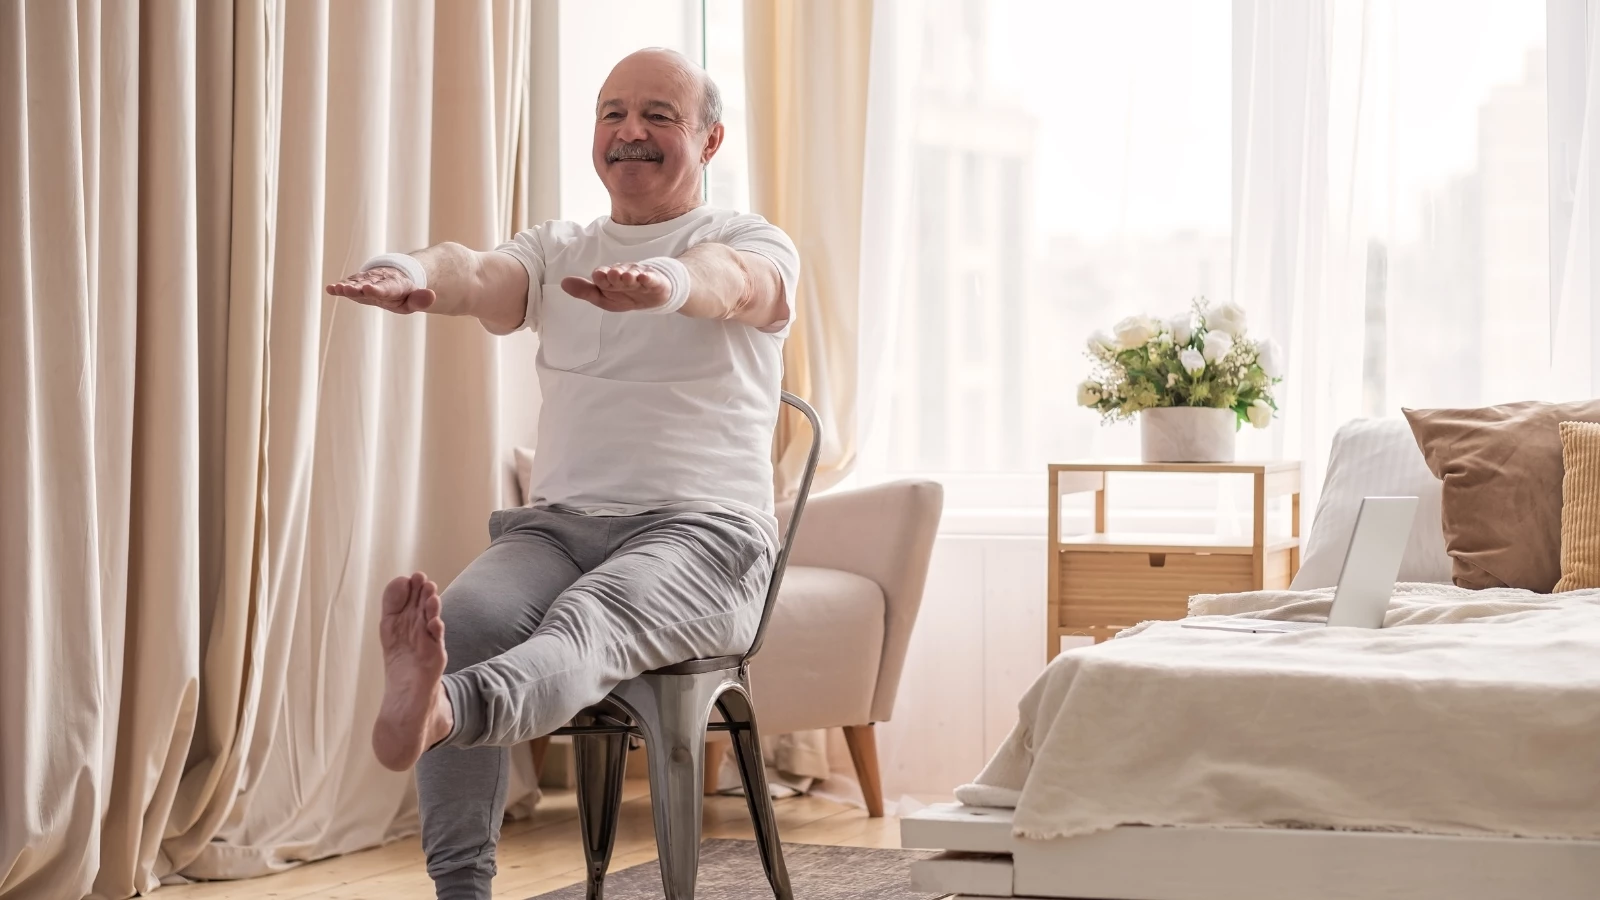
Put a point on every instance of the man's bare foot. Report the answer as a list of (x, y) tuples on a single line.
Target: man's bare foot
[(415, 713)]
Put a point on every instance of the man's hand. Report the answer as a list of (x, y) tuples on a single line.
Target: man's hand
[(621, 288), (385, 287)]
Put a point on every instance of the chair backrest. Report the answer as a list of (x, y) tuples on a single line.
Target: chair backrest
[(806, 477)]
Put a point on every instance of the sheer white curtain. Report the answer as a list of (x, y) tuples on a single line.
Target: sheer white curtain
[(1412, 199), (1298, 235), (1574, 105)]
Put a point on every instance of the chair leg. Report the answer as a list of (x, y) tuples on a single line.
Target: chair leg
[(863, 743), (753, 772), (601, 761), (672, 711)]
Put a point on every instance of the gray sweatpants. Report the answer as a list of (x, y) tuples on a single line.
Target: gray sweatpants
[(559, 610)]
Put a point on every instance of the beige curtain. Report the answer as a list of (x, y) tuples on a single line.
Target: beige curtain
[(207, 467), (808, 125)]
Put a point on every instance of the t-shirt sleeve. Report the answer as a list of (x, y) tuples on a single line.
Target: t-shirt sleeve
[(528, 248), (753, 234)]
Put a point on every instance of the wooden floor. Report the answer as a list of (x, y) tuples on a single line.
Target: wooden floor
[(542, 853)]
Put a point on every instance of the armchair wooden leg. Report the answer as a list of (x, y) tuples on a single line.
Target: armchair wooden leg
[(863, 741), (540, 746), (714, 752)]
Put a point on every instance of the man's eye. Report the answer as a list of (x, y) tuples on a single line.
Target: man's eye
[(613, 115), (658, 117)]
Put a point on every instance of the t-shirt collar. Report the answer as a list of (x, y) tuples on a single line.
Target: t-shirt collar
[(638, 234)]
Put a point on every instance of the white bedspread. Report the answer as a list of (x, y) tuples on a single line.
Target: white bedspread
[(1471, 712)]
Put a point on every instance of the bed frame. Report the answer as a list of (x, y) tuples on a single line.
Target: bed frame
[(981, 858)]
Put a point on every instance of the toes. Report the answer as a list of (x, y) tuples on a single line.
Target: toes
[(396, 595)]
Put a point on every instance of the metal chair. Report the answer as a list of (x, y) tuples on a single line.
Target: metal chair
[(670, 709)]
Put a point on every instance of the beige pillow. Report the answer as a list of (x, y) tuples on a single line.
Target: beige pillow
[(1501, 506), (1580, 506)]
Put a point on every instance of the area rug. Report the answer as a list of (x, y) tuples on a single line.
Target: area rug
[(731, 870)]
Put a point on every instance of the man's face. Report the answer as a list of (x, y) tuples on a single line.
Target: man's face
[(649, 144)]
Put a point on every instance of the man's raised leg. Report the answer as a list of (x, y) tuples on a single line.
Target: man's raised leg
[(495, 604)]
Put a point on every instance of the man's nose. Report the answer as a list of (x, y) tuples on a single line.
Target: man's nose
[(632, 130)]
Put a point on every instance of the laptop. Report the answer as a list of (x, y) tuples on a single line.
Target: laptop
[(1367, 577)]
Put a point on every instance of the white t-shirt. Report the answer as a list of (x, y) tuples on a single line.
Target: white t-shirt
[(646, 412)]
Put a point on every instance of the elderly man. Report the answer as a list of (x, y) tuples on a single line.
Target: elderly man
[(650, 535)]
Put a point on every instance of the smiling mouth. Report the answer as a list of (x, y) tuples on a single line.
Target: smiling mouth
[(633, 153)]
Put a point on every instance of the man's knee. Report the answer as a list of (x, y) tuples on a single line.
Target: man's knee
[(476, 626)]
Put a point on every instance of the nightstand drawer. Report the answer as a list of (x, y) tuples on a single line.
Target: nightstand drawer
[(1100, 589)]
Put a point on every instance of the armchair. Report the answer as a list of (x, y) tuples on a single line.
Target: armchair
[(837, 641)]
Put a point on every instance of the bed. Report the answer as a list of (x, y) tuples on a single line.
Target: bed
[(1183, 764), (1191, 863)]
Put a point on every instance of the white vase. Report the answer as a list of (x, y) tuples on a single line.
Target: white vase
[(1187, 434)]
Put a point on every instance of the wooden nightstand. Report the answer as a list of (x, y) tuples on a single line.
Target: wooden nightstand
[(1101, 583)]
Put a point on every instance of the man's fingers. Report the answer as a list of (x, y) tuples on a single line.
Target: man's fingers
[(419, 301), (350, 286), (617, 278), (627, 278), (621, 288), (382, 283)]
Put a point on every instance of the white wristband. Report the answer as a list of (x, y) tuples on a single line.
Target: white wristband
[(405, 263), (676, 275)]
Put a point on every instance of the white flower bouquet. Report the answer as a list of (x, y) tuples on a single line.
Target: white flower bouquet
[(1202, 358)]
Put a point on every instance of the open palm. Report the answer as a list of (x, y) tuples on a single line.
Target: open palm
[(385, 287), (621, 288)]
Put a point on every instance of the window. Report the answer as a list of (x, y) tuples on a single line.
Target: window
[(728, 176), (1070, 167), (1459, 262)]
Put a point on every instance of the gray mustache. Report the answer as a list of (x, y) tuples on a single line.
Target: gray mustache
[(633, 151)]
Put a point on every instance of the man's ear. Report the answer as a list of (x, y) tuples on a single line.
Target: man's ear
[(713, 143)]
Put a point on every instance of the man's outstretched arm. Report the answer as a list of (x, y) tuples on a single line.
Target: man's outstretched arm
[(722, 283), (492, 287)]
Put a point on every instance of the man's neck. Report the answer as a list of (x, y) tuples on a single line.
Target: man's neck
[(653, 214)]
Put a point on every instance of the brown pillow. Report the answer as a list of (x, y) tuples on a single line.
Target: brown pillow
[(1501, 468), (1580, 506)]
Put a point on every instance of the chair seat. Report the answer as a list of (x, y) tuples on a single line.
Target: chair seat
[(699, 666)]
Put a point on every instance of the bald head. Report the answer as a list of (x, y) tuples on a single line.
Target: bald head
[(707, 102)]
